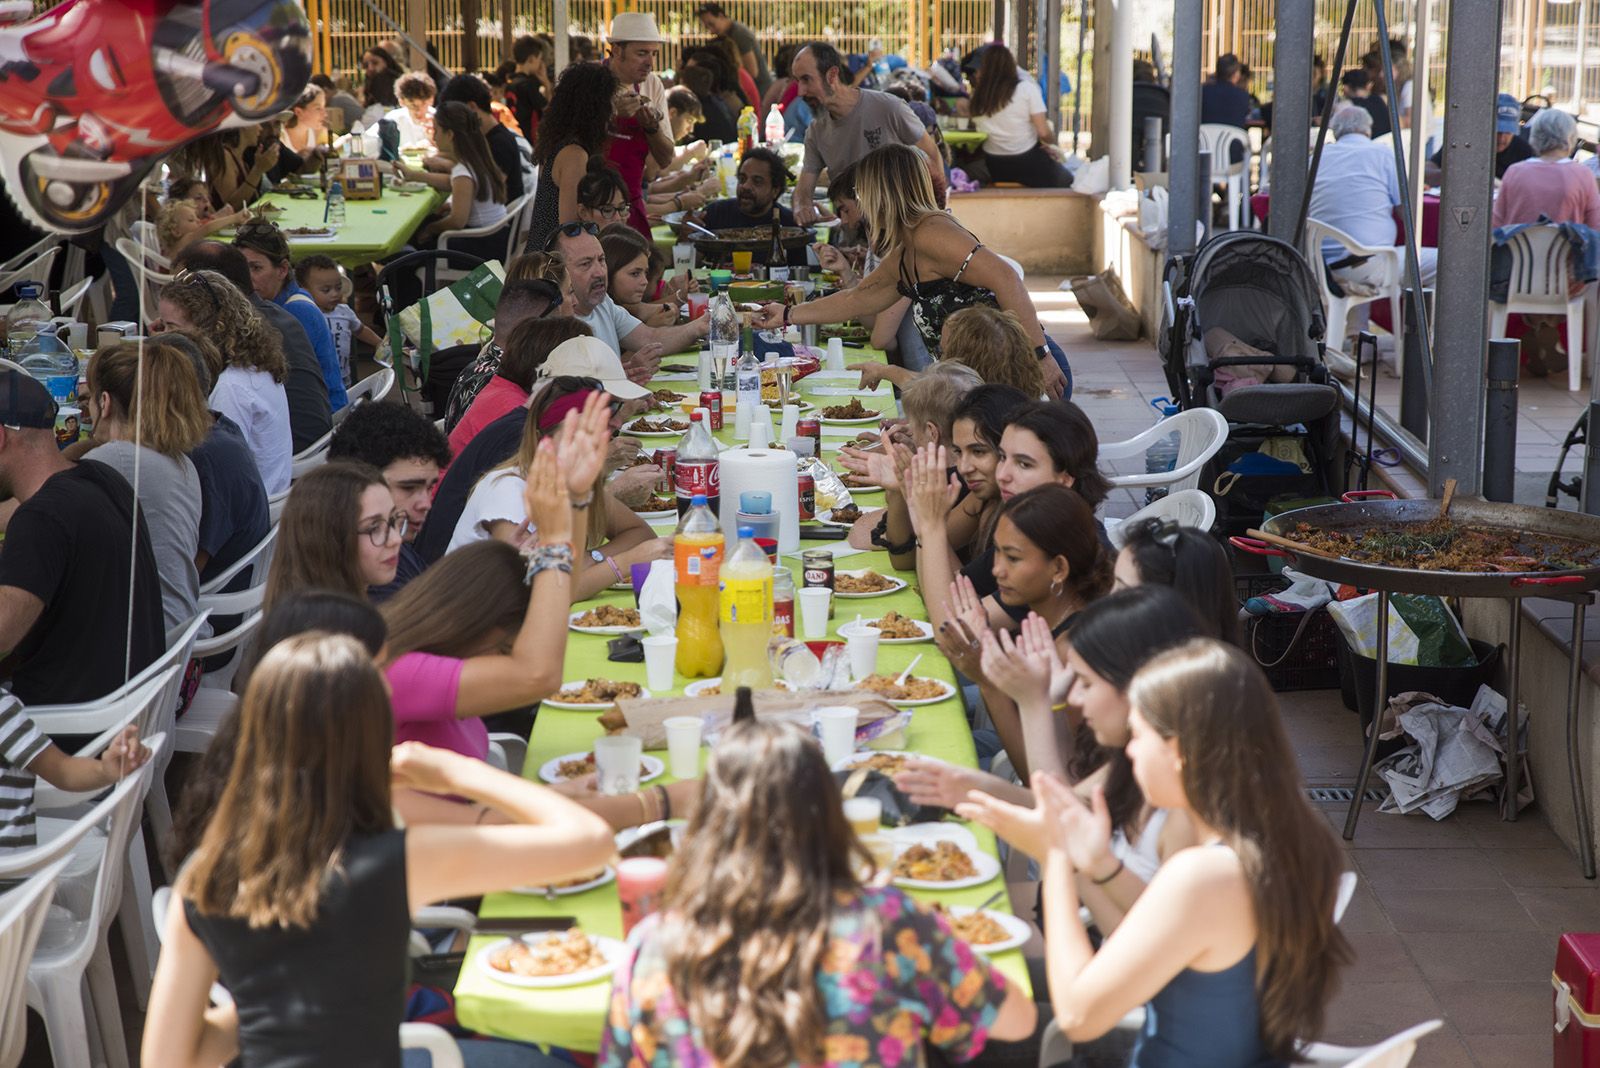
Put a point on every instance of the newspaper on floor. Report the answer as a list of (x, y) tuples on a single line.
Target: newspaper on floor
[(1455, 753)]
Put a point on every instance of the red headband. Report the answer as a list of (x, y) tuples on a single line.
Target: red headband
[(572, 402)]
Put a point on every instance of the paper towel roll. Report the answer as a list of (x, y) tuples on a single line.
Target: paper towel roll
[(772, 470)]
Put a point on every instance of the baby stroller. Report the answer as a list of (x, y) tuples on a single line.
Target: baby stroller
[(1244, 292)]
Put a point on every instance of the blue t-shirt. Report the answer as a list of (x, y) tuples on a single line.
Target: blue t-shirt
[(233, 501), (298, 303)]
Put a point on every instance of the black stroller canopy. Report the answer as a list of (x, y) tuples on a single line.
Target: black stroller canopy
[(1259, 289)]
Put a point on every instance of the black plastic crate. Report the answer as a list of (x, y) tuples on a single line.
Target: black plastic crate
[(1302, 658)]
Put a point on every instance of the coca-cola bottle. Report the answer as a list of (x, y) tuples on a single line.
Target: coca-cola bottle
[(696, 468)]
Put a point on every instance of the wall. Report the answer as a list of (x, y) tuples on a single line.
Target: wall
[(1050, 231)]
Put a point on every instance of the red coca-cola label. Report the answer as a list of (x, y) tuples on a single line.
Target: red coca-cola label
[(711, 401), (698, 476)]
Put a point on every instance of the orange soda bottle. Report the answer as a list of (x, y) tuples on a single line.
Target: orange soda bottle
[(697, 555)]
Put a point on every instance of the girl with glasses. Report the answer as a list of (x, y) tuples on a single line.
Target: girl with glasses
[(340, 530), (602, 198)]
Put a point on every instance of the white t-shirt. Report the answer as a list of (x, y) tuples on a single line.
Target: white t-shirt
[(261, 408), (482, 212), (610, 323), (1010, 129), (497, 496), (344, 326), (412, 132)]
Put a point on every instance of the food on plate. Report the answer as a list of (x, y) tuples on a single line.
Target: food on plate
[(946, 862), (916, 688), (854, 410), (884, 763), (657, 502), (978, 928), (709, 691), (658, 426), (608, 615), (598, 691), (666, 398), (895, 625), (584, 765), (855, 481), (866, 582), (847, 514), (307, 231), (560, 954)]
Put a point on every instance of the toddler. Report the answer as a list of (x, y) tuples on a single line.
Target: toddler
[(324, 279), (179, 225)]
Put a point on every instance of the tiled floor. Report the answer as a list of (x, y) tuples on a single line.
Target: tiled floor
[(1456, 920)]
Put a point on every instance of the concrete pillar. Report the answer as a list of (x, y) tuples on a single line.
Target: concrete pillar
[(1291, 113), (1100, 113), (1183, 167), (560, 33), (1121, 114)]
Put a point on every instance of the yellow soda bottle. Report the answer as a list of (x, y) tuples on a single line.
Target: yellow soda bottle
[(697, 558), (746, 615)]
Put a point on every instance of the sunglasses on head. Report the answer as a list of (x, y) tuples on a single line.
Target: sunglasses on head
[(186, 277), (571, 229)]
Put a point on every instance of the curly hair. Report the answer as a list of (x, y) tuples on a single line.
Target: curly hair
[(380, 434), (415, 85), (579, 113), (217, 309), (994, 344)]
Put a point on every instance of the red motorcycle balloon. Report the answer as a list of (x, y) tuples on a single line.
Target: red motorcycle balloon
[(93, 93)]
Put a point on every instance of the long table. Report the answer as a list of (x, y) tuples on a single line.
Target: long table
[(572, 1017), (372, 230)]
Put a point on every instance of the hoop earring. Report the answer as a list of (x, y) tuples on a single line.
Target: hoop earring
[(1056, 587)]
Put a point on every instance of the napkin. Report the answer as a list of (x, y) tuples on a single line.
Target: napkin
[(658, 600)]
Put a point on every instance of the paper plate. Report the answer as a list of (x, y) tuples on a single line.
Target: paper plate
[(986, 866), (860, 756), (554, 700), (898, 702), (611, 949), (1017, 930), (699, 686), (650, 517), (550, 770), (605, 876), (874, 420), (630, 428), (899, 584), (612, 631), (850, 629)]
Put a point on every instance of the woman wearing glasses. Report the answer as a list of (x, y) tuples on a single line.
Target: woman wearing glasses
[(340, 530), (248, 387), (602, 198), (573, 132)]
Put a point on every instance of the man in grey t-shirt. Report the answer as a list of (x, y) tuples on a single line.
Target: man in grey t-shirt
[(849, 123), (719, 23)]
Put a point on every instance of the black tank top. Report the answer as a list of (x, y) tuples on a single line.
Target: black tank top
[(333, 993)]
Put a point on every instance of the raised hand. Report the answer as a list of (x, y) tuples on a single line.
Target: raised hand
[(1024, 828), (930, 493), (1036, 642), (1023, 678), (1084, 831), (933, 782), (546, 496)]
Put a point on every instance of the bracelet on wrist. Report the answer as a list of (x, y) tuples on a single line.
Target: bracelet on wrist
[(1114, 873), (665, 800), (581, 502), (548, 557)]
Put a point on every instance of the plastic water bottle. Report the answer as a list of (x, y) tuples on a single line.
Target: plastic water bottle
[(357, 144), (1163, 454), (774, 126), (26, 316), (723, 333), (333, 215), (51, 363), (747, 383)]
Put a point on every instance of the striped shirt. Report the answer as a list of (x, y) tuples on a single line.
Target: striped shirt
[(20, 745)]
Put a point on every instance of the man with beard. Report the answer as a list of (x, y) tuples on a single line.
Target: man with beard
[(849, 123), (762, 180), (640, 346)]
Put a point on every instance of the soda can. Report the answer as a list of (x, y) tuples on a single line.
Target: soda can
[(810, 428), (816, 569), (808, 496), (667, 460), (711, 401)]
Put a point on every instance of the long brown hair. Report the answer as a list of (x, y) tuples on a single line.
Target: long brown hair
[(172, 418), (1240, 778), (316, 723), (521, 463), (896, 194), (996, 81), (472, 149), (316, 545), (216, 308), (458, 604), (752, 891)]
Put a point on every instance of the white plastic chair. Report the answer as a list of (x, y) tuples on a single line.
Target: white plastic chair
[(22, 913), (372, 389), (478, 240), (34, 270), (524, 223), (1541, 262), (151, 271), (72, 947), (258, 559), (309, 458), (1395, 1051), (275, 504), (71, 298), (1338, 307), (31, 253), (1188, 508), (1219, 139), (508, 752), (1201, 432)]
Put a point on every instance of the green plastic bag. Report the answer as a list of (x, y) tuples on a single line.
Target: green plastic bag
[(1422, 631), (460, 314)]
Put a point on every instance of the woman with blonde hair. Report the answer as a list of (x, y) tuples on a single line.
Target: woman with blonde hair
[(248, 388), (149, 412), (987, 340), (340, 530), (927, 257), (300, 894), (825, 968)]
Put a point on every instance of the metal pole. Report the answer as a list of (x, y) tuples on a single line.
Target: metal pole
[(1328, 98), (561, 33), (1202, 196), (1052, 66), (1413, 382), (1421, 108), (1121, 134), (1291, 113), (1460, 325), (1380, 705), (1152, 144), (1184, 180), (1500, 421), (1508, 807), (1077, 82), (1580, 798), (1580, 57)]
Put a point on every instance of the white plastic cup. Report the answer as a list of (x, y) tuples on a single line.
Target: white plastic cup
[(862, 645), (683, 745), (660, 650), (835, 354), (837, 726), (814, 611), (616, 763), (683, 257)]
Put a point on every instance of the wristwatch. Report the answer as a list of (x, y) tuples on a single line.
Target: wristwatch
[(601, 558)]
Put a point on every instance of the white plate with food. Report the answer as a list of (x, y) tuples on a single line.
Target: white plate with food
[(866, 583), (311, 233), (896, 629), (586, 695), (608, 619), (943, 864), (648, 427), (865, 487), (927, 833), (866, 420), (571, 886), (988, 931), (556, 959), (571, 766), (850, 514), (918, 689), (713, 687), (885, 761)]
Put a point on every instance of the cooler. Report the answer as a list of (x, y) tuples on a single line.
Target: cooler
[(1576, 980)]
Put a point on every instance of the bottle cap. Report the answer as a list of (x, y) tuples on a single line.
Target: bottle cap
[(697, 500), (747, 532)]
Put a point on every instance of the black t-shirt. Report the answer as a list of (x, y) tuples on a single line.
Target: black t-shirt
[(68, 546), (1515, 152), (508, 157), (981, 573), (1224, 103), (1378, 108), (717, 122), (310, 416), (525, 97), (234, 515), (493, 446)]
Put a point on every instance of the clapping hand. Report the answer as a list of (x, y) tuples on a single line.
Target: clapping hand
[(1084, 831), (1024, 828), (545, 496), (933, 782), (1020, 671), (961, 637), (883, 468), (930, 492)]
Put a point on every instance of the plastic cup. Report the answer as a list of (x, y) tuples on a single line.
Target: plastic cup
[(862, 645), (837, 726), (698, 303), (835, 354), (683, 256), (720, 279), (616, 763), (741, 262), (640, 882), (865, 814), (659, 653), (814, 601), (683, 745)]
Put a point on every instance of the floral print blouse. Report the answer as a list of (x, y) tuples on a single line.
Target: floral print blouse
[(894, 976)]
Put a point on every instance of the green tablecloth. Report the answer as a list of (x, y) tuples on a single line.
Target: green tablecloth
[(965, 138), (664, 237), (372, 230), (572, 1017)]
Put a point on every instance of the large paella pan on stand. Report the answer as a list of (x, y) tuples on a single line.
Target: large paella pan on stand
[(1462, 548)]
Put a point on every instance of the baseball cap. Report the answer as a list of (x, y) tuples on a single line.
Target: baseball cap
[(1507, 114), (589, 357), (24, 403), (630, 26)]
